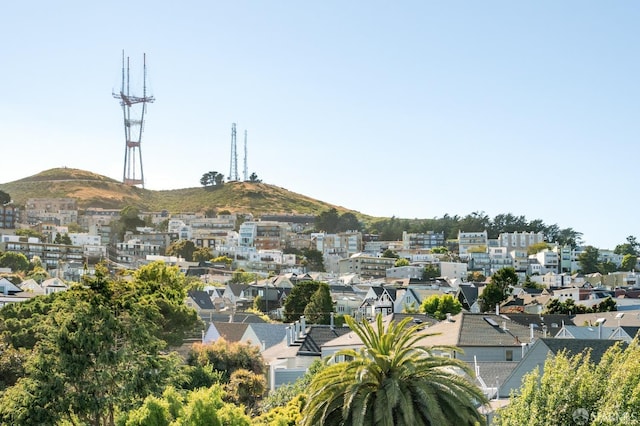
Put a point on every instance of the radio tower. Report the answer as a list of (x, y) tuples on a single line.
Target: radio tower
[(246, 171), (133, 106), (233, 171)]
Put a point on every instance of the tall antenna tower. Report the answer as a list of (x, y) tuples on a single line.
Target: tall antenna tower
[(246, 171), (233, 170), (133, 106)]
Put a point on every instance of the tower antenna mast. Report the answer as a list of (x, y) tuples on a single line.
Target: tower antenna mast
[(135, 106), (233, 170)]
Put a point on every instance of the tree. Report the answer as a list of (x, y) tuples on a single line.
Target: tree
[(202, 254), (431, 272), (393, 381), (211, 179), (314, 260), (254, 178), (348, 222), (402, 262), (223, 357), (96, 352), (320, 306), (606, 392), (298, 299), (629, 262), (182, 248), (388, 253), (630, 247), (588, 260), (537, 247), (476, 276), (17, 262), (438, 306), (4, 198), (327, 221), (62, 239)]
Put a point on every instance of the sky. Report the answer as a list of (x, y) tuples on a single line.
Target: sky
[(412, 109)]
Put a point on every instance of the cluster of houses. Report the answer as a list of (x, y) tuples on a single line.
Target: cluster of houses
[(500, 346)]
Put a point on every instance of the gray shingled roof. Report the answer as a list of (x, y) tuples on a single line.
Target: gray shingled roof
[(478, 331), (202, 299), (575, 346), (231, 331), (318, 335), (270, 334)]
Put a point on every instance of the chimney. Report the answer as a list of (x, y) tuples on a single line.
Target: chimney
[(448, 317), (332, 323), (531, 334), (288, 330), (497, 309), (264, 345), (303, 326)]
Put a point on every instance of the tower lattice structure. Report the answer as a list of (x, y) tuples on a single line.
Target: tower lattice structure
[(133, 111), (233, 169)]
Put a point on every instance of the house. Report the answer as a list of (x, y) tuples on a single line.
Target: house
[(53, 285), (31, 286), (413, 297), (264, 335), (597, 331), (543, 348), (238, 294), (468, 294), (201, 302), (483, 337), (291, 358), (229, 331), (379, 300)]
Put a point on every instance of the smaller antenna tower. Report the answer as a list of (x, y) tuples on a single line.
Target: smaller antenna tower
[(233, 170), (246, 171)]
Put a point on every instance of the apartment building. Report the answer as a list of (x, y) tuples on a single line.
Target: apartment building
[(428, 240), (471, 240)]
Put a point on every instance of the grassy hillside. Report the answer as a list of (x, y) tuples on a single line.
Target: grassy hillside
[(94, 190)]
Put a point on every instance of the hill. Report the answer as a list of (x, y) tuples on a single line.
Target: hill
[(94, 190)]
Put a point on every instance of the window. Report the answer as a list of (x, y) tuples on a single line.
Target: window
[(509, 355)]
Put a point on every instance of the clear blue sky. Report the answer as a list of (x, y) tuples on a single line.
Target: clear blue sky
[(412, 108)]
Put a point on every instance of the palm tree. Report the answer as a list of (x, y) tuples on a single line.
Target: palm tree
[(393, 381)]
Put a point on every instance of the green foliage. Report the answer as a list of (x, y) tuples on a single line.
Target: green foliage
[(530, 284), (17, 262), (588, 260), (537, 247), (314, 260), (254, 178), (239, 276), (476, 276), (569, 307), (202, 254), (227, 357), (498, 289), (62, 239), (402, 262), (287, 415), (438, 306), (392, 381), (182, 248), (607, 391), (212, 179), (286, 393), (246, 388), (431, 272), (629, 262), (331, 222), (297, 300), (631, 247), (24, 232), (4, 198), (320, 306), (388, 253)]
